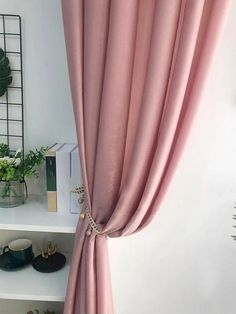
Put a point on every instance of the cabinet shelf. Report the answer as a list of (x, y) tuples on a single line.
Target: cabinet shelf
[(33, 216), (28, 284)]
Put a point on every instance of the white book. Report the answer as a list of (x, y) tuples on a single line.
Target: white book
[(76, 182), (63, 177)]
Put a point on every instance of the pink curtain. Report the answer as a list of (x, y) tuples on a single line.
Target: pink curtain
[(137, 69)]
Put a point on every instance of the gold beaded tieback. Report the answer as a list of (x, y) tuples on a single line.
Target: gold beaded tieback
[(87, 212)]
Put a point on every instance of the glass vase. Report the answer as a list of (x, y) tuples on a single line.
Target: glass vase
[(12, 193)]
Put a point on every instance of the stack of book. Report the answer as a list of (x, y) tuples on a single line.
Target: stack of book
[(63, 177)]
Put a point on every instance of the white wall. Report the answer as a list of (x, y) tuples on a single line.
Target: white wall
[(48, 107), (48, 111), (184, 262)]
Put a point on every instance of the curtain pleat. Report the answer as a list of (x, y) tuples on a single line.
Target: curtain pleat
[(96, 23)]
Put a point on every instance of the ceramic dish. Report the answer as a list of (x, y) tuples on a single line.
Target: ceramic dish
[(49, 265)]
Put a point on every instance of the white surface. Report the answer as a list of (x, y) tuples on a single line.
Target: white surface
[(28, 284), (48, 107), (33, 216)]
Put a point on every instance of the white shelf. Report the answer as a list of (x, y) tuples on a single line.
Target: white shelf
[(28, 284), (33, 216)]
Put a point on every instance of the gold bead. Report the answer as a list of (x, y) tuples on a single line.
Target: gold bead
[(82, 215)]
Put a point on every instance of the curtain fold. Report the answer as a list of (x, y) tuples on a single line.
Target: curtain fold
[(137, 70)]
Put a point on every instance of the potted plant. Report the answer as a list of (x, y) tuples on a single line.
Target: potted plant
[(14, 168)]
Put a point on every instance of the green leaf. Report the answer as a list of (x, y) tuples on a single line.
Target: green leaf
[(4, 62), (5, 73)]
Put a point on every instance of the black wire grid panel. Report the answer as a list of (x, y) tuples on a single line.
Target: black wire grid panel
[(11, 103)]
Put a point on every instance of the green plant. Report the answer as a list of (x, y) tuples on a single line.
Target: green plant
[(15, 167), (5, 73)]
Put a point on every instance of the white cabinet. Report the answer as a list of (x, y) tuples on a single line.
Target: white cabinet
[(32, 220)]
